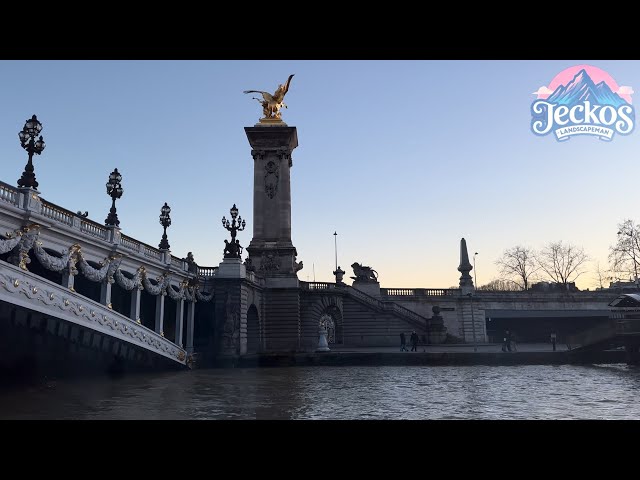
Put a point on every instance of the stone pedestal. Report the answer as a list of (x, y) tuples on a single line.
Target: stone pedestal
[(436, 331), (231, 268), (323, 345), (370, 288)]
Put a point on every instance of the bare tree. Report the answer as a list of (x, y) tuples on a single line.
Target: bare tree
[(500, 285), (563, 263), (518, 265), (602, 276), (624, 256)]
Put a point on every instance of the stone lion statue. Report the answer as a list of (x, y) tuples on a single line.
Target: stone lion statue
[(364, 274)]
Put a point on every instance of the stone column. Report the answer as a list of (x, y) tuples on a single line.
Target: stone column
[(67, 280), (136, 294), (179, 322), (191, 310), (271, 251), (105, 292), (159, 313)]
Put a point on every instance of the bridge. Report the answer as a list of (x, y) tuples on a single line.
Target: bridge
[(76, 292)]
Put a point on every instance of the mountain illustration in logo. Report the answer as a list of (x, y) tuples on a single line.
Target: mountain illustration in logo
[(582, 88)]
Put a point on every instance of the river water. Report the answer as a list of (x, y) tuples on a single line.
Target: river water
[(460, 392)]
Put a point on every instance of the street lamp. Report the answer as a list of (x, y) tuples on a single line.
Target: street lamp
[(165, 221), (475, 278), (233, 249), (335, 246), (473, 322), (114, 190), (27, 135), (633, 254)]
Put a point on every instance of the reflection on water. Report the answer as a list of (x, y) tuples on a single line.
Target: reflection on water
[(470, 392)]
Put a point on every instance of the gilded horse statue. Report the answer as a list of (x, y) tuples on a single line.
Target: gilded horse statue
[(271, 104)]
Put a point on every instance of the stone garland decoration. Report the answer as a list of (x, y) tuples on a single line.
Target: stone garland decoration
[(189, 294), (94, 274), (56, 264), (129, 283), (10, 243), (179, 295), (155, 289), (204, 297), (26, 240)]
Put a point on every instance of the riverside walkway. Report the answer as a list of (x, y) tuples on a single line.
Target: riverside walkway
[(443, 354)]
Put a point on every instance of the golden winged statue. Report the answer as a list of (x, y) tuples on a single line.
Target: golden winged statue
[(271, 104)]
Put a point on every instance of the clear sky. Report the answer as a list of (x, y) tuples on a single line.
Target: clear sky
[(401, 158)]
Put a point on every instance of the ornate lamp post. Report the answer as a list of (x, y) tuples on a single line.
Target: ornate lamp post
[(165, 221), (30, 131), (237, 224), (114, 190), (475, 278)]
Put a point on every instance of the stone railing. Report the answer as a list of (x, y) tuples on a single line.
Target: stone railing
[(207, 271), (92, 228), (317, 285), (409, 292), (389, 306), (394, 307), (128, 242), (176, 262), (8, 193), (149, 251), (57, 213)]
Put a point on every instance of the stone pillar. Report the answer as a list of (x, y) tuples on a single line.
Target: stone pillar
[(271, 251), (159, 313), (191, 310), (67, 280), (30, 199), (179, 322), (136, 294), (105, 292)]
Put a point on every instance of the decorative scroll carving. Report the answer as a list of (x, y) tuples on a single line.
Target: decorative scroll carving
[(258, 154), (269, 263), (271, 177), (285, 155)]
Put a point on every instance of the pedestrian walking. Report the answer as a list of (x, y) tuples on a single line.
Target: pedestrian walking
[(414, 341), (553, 339)]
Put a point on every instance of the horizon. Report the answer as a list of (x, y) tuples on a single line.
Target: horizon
[(441, 150)]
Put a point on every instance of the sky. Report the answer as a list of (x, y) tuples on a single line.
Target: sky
[(401, 158)]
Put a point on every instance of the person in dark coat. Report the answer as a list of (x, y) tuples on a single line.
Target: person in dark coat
[(414, 341), (403, 343)]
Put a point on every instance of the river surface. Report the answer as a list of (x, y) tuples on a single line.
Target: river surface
[(416, 392)]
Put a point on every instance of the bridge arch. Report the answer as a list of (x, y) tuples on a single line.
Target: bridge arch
[(253, 330)]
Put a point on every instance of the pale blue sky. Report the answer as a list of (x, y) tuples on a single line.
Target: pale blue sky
[(401, 158)]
